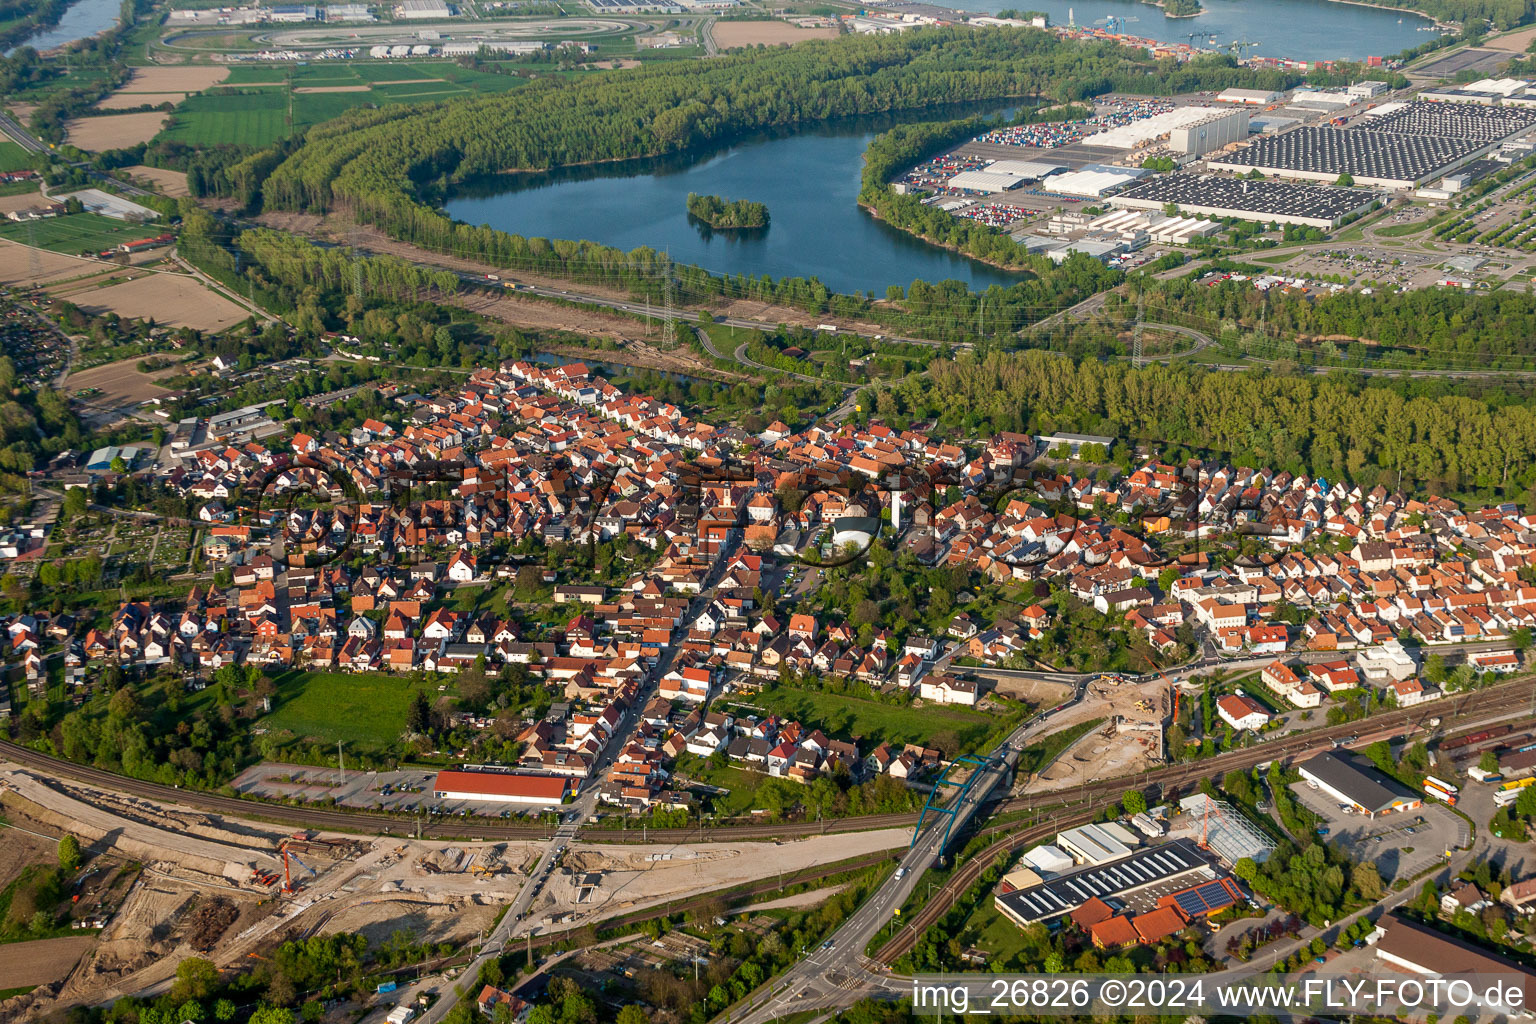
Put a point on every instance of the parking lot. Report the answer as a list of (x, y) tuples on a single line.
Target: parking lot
[(404, 791), (1400, 845)]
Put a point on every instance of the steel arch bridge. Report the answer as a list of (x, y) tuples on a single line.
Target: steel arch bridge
[(980, 768)]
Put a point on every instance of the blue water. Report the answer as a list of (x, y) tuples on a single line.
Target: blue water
[(1299, 29), (809, 180), (81, 20)]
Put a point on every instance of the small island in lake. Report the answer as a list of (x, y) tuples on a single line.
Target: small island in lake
[(1179, 8), (726, 214)]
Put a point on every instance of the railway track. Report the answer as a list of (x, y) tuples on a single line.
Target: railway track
[(440, 828), (1016, 836), (1504, 695)]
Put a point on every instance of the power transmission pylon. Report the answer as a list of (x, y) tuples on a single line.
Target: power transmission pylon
[(1137, 346), (668, 313)]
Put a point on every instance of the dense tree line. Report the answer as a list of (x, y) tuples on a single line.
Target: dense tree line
[(1452, 326), (294, 261), (1335, 426), (727, 213), (383, 164), (21, 18)]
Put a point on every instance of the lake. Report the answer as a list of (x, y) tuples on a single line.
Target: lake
[(81, 20), (1300, 29), (810, 181)]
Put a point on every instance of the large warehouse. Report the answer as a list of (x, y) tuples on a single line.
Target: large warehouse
[(1400, 149), (1215, 130), (984, 181), (501, 787), (1141, 878), (1358, 785), (1278, 202)]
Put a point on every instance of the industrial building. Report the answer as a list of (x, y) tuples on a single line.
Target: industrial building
[(516, 47), (1419, 949), (1250, 97), (1097, 844), (348, 12), (293, 13), (1093, 181), (1321, 206), (501, 787), (1134, 225), (1216, 130), (1140, 878), (417, 10), (1360, 786), (1399, 146), (1226, 831), (984, 181), (1027, 170), (1147, 130)]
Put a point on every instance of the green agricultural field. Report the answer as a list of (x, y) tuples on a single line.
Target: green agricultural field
[(13, 157), (74, 234), (366, 708), (212, 119), (271, 103), (843, 717)]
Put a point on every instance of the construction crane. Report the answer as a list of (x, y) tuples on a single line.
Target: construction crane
[(1205, 821), (1241, 47), (288, 885)]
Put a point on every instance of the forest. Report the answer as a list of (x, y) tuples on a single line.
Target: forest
[(725, 214), (1446, 327), (1336, 426)]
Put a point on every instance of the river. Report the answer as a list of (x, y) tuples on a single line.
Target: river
[(1303, 29), (1300, 29), (81, 20)]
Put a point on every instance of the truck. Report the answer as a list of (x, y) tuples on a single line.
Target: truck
[(1484, 776), (830, 328)]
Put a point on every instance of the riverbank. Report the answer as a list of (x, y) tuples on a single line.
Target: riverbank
[(1022, 271), (1443, 26), (74, 22)]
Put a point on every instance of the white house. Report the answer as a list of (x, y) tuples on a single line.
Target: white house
[(1242, 712)]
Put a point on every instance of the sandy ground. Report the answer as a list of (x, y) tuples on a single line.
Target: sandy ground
[(183, 79), (129, 100), (121, 382), (131, 838), (20, 264), (1108, 752), (24, 201), (1035, 692), (19, 849), (799, 901), (1514, 42), (632, 879), (173, 300), (770, 33), (42, 962), (167, 183), (114, 131)]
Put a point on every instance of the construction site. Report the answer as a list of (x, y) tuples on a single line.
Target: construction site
[(167, 882), (1130, 740)]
